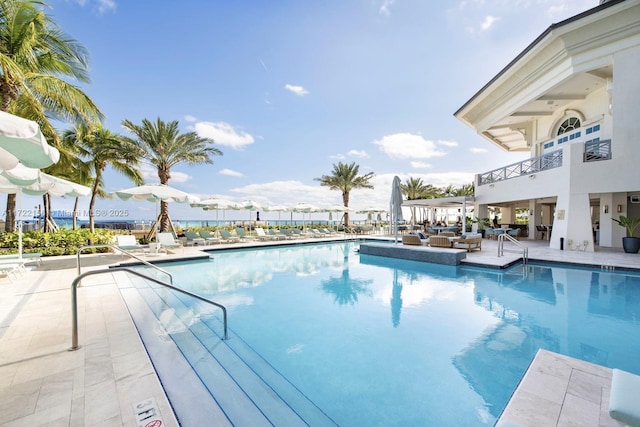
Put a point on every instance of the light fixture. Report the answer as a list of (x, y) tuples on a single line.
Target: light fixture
[(491, 185), (533, 176), (605, 209), (530, 212), (619, 208)]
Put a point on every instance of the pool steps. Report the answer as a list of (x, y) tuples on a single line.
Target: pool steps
[(247, 396)]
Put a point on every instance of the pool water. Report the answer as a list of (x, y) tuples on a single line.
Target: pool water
[(377, 341)]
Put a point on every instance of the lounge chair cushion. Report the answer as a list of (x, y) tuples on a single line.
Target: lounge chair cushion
[(624, 404)]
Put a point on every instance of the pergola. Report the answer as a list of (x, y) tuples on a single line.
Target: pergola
[(446, 203)]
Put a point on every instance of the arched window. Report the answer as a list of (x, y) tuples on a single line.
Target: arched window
[(568, 125)]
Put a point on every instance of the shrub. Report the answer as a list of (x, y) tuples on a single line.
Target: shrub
[(61, 242)]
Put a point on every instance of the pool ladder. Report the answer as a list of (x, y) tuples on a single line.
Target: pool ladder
[(501, 250)]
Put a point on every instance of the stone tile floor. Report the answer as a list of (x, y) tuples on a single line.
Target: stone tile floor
[(42, 383)]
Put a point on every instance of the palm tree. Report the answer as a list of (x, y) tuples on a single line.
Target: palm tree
[(34, 56), (414, 189), (345, 178), (164, 146), (99, 148)]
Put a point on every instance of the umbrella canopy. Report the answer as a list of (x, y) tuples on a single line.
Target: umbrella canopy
[(21, 141), (215, 203), (278, 208), (43, 184), (156, 193), (396, 204)]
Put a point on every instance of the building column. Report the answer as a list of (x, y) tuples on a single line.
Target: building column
[(572, 223)]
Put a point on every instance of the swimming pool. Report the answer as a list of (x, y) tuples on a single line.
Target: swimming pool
[(377, 341)]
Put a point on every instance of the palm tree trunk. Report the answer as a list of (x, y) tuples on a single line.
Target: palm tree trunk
[(10, 214), (164, 216), (345, 203)]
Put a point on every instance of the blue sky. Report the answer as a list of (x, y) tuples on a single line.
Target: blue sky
[(288, 88)]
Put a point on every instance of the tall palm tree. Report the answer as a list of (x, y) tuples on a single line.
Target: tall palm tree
[(345, 178), (164, 146), (99, 148), (34, 57)]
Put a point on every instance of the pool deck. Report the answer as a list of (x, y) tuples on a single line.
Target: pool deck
[(110, 376)]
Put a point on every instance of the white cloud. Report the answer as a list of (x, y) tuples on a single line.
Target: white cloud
[(298, 90), (408, 146), (357, 153), (420, 165), (478, 150), (230, 172), (488, 22), (386, 5), (224, 134), (448, 143), (189, 118)]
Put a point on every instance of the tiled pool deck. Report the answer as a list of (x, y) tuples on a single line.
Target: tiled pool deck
[(100, 384)]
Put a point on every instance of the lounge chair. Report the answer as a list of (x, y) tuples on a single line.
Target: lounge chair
[(515, 233), (261, 235), (208, 237), (278, 236), (227, 237), (300, 233), (8, 269), (440, 242), (167, 241), (327, 232), (194, 238), (413, 240), (315, 233), (128, 242), (469, 242), (242, 234), (288, 234), (26, 257)]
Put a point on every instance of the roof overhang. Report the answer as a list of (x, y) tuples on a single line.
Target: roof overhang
[(555, 71)]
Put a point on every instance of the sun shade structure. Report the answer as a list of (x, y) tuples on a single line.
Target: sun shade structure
[(22, 142)]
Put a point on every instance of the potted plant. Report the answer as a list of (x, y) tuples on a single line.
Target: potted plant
[(630, 244)]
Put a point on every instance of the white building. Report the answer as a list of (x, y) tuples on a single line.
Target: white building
[(572, 100)]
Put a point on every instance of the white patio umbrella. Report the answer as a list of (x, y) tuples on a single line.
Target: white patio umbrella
[(278, 208), (43, 184), (251, 205), (21, 141), (156, 193), (303, 208), (396, 205), (22, 146), (215, 203), (370, 211), (336, 209)]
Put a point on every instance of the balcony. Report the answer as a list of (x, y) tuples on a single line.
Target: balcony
[(594, 151), (541, 163)]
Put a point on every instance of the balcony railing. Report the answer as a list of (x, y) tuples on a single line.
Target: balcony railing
[(595, 151), (526, 167)]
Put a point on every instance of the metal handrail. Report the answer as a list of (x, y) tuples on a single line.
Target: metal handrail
[(117, 248), (74, 299), (501, 249)]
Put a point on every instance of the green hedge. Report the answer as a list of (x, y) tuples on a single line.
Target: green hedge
[(61, 242)]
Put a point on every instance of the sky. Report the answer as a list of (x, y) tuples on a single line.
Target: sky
[(287, 89)]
